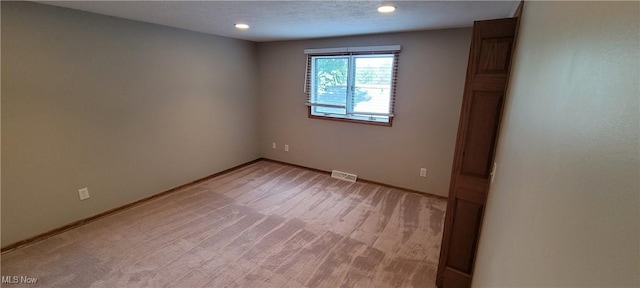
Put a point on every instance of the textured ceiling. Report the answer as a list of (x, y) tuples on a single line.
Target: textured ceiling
[(286, 20)]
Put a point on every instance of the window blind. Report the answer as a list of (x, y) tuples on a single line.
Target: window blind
[(372, 74)]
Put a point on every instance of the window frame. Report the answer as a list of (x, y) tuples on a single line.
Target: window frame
[(352, 53)]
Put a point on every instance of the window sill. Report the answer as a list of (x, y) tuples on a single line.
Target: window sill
[(339, 119)]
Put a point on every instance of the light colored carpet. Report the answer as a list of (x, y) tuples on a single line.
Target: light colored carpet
[(265, 225)]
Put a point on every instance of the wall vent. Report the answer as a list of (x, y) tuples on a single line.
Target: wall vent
[(344, 176)]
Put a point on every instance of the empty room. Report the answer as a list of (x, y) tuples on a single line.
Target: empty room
[(320, 144)]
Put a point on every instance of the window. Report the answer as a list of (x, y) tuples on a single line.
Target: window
[(355, 84)]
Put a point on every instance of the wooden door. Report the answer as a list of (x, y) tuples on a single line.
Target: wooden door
[(484, 94)]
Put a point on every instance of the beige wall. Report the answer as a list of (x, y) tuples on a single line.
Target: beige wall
[(429, 95), (564, 208), (124, 108)]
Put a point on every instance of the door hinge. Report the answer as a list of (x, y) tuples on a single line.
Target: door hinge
[(493, 171)]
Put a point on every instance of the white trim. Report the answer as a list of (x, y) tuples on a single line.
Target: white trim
[(375, 48), (326, 105), (326, 50), (306, 74), (370, 114), (353, 49)]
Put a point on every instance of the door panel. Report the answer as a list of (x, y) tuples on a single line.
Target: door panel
[(487, 76), (494, 56), (481, 135), (465, 231)]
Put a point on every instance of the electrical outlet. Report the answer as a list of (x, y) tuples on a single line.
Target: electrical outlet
[(83, 193), (423, 172), (273, 145), (286, 147)]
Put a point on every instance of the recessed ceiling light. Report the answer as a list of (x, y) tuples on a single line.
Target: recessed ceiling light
[(386, 9), (242, 26)]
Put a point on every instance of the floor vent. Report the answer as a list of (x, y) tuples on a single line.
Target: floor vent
[(344, 176)]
